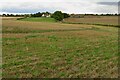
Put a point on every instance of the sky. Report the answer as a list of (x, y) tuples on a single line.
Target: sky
[(67, 6)]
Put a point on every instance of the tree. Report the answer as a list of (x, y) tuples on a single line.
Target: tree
[(36, 14), (47, 13), (4, 15), (58, 15), (66, 15)]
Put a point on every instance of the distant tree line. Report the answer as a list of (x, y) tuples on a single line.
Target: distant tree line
[(14, 15), (55, 13), (58, 15), (39, 14), (104, 14)]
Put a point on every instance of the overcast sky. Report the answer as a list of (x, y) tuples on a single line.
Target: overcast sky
[(68, 6)]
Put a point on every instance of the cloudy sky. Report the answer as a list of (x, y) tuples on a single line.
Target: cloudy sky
[(68, 6)]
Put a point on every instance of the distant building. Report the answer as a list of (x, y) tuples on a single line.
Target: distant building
[(46, 15)]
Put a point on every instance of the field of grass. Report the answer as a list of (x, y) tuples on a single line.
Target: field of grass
[(56, 50), (11, 18), (103, 20), (39, 19)]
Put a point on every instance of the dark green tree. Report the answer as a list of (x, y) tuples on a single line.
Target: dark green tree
[(4, 15), (36, 14), (58, 15), (66, 15)]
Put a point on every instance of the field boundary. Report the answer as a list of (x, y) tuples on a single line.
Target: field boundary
[(93, 24)]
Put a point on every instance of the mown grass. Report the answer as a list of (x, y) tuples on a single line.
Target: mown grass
[(39, 19), (60, 53), (100, 24), (100, 20)]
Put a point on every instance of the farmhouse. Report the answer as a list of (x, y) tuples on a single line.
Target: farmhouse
[(46, 15)]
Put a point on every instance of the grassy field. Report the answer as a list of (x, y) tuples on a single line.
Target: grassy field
[(52, 50), (104, 20), (11, 18), (39, 19)]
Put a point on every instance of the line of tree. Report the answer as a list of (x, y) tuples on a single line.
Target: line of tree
[(13, 15), (39, 14), (36, 14), (103, 14), (110, 14), (58, 15)]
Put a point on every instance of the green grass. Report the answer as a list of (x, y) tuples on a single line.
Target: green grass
[(39, 19), (60, 53)]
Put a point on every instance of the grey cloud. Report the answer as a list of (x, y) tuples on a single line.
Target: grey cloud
[(108, 3)]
